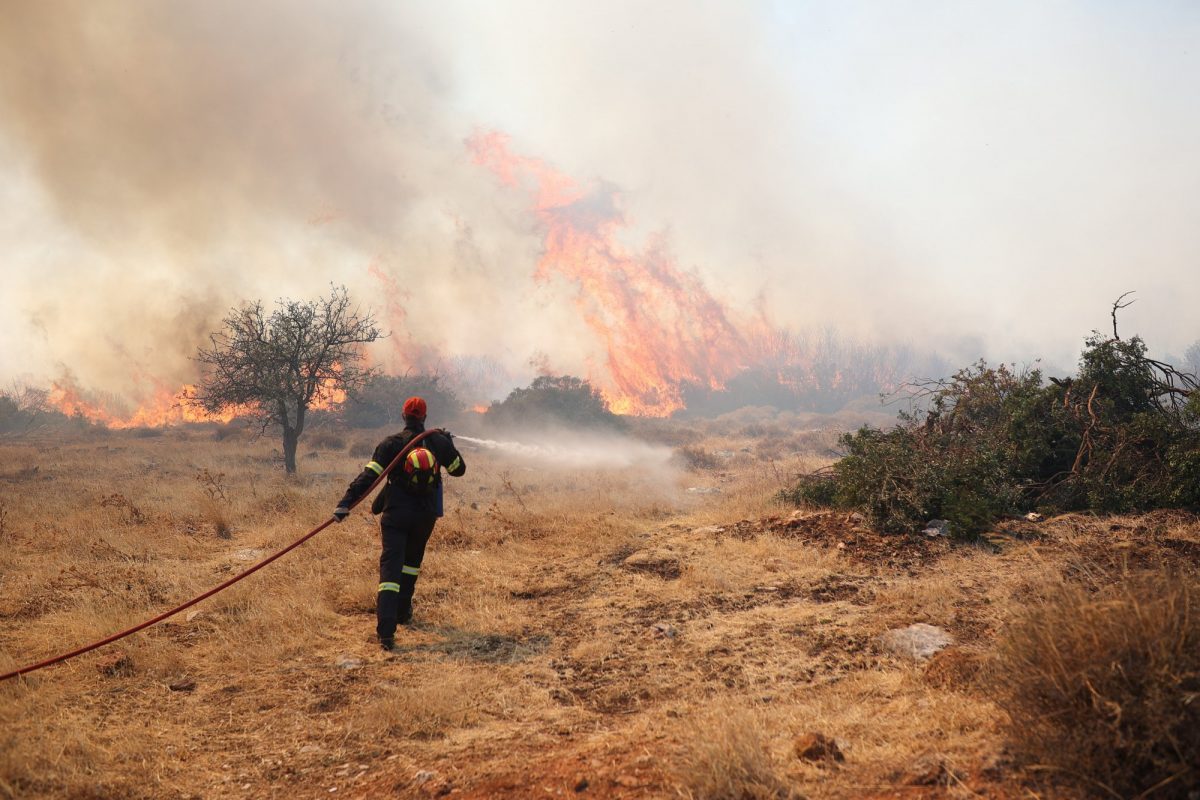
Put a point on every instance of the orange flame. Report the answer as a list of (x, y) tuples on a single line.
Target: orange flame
[(663, 331), (661, 328), (165, 407)]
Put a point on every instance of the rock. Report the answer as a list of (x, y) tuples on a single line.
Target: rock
[(657, 562), (581, 784), (424, 776), (182, 684), (937, 527), (664, 629), (703, 490), (919, 641), (817, 747), (856, 518), (345, 661), (310, 748), (191, 615), (709, 530), (1033, 516), (248, 554)]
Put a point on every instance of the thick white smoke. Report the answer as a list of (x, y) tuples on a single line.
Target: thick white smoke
[(979, 178)]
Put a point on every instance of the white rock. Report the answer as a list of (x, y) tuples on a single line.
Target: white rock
[(345, 661), (937, 527), (919, 640)]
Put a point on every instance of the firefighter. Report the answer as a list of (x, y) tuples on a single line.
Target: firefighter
[(411, 503)]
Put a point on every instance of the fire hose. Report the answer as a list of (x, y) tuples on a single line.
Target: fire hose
[(245, 574)]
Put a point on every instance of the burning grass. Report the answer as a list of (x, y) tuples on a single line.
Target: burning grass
[(541, 658)]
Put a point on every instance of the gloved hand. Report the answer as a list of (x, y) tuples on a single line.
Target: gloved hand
[(340, 513)]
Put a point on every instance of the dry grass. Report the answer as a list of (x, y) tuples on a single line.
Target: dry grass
[(1103, 684), (541, 661), (727, 756)]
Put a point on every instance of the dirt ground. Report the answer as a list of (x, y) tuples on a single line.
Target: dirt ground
[(653, 629)]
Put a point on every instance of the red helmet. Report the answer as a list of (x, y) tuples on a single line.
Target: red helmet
[(414, 407)]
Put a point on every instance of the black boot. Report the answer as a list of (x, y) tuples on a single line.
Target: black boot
[(387, 610), (408, 584)]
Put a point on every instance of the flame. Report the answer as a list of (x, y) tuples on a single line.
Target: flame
[(664, 333), (659, 325), (165, 407)]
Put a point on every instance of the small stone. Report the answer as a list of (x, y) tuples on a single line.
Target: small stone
[(1033, 516), (347, 662), (664, 629), (919, 640), (856, 518), (937, 527), (581, 784), (817, 747), (703, 490), (182, 684), (424, 776), (310, 748), (709, 530), (191, 615)]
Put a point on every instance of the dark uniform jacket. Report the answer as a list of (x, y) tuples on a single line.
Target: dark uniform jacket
[(395, 500)]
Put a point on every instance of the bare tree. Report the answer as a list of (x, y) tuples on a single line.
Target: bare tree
[(275, 367)]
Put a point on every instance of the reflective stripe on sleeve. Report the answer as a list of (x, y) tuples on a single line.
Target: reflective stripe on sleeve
[(375, 467), (455, 464), (407, 570), (388, 586)]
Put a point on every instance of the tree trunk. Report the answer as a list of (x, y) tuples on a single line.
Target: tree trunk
[(291, 438)]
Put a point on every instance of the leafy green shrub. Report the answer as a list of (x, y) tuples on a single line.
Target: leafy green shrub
[(380, 400), (1123, 435), (561, 399)]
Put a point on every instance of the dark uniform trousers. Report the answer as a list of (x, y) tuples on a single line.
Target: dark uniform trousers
[(405, 534)]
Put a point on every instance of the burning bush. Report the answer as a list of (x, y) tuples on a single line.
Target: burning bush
[(561, 399), (1103, 686), (1123, 435)]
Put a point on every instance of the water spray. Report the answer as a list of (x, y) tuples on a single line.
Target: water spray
[(580, 452)]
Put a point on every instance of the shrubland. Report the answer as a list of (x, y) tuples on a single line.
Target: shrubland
[(1122, 435), (655, 629)]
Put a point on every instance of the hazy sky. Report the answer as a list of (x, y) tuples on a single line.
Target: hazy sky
[(981, 178)]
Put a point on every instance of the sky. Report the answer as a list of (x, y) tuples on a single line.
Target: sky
[(979, 179)]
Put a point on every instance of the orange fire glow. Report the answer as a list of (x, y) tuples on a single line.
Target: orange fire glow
[(166, 406), (660, 326), (663, 331)]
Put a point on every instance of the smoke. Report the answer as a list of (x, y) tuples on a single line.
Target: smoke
[(976, 179)]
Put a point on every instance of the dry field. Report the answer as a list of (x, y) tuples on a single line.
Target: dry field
[(581, 632)]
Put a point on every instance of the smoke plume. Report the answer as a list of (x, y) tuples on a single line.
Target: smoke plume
[(966, 178)]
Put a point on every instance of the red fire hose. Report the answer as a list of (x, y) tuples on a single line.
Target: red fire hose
[(154, 621)]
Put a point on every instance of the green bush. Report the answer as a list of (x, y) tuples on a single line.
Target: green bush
[(380, 400), (1123, 435), (561, 399)]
